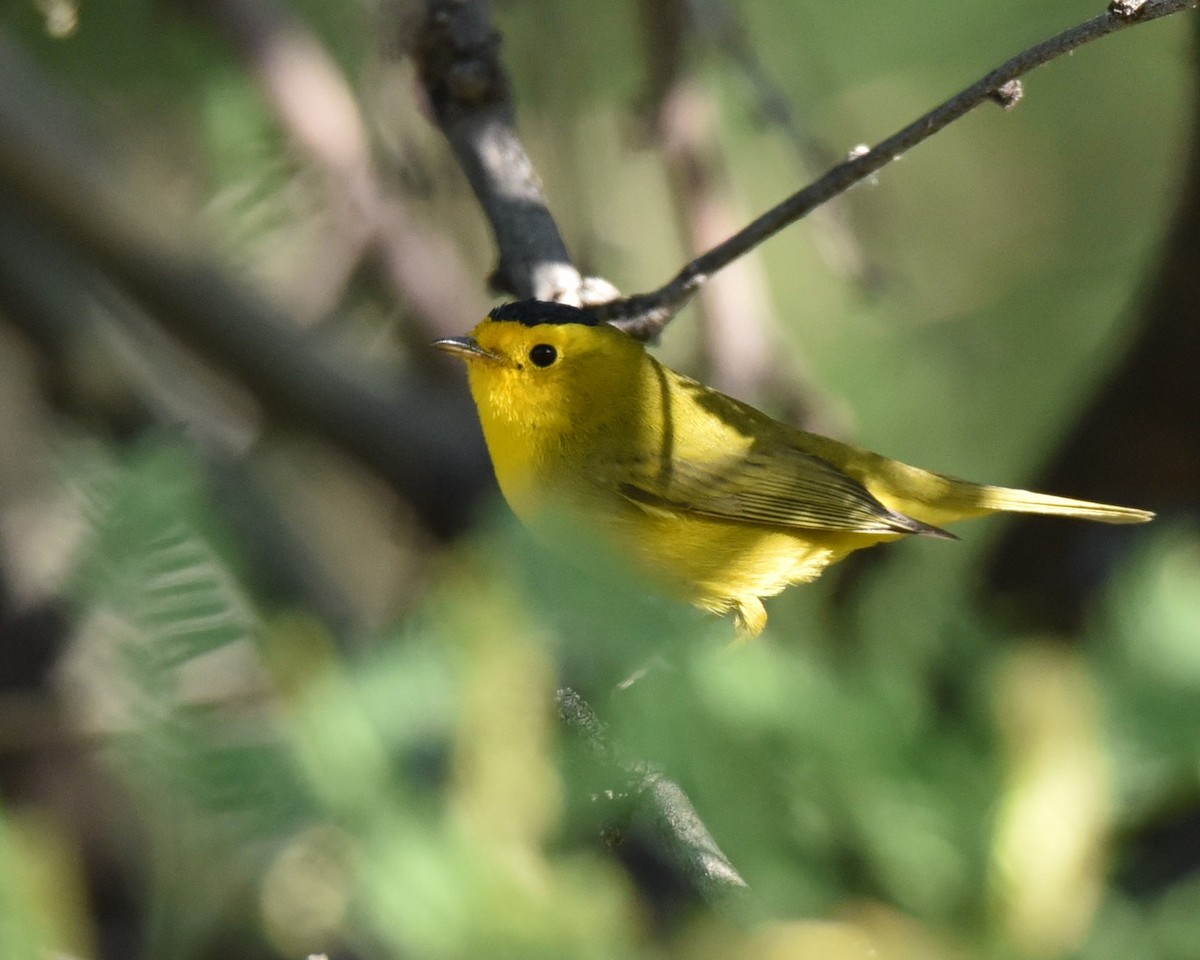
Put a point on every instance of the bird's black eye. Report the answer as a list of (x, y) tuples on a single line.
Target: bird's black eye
[(542, 355)]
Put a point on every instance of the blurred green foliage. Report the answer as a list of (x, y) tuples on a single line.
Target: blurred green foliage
[(413, 801), (404, 790)]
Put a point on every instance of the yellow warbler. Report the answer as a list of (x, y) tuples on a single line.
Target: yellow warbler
[(716, 501)]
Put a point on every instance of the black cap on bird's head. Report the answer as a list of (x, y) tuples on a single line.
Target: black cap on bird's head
[(535, 330), (534, 312)]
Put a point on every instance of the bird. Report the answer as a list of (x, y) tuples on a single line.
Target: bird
[(715, 501)]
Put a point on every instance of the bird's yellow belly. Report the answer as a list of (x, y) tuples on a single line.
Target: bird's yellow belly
[(716, 564)]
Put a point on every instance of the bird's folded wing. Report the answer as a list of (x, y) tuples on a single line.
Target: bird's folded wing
[(788, 488)]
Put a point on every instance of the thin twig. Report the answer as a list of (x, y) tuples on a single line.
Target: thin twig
[(832, 230), (736, 312), (736, 306), (737, 315), (681, 117), (645, 315)]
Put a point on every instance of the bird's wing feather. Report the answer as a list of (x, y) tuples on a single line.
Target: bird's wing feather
[(787, 488)]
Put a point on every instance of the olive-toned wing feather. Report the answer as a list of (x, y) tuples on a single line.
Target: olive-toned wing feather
[(787, 488)]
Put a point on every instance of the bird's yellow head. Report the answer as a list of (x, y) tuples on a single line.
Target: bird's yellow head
[(546, 367)]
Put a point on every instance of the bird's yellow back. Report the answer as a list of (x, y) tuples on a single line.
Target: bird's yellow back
[(713, 499)]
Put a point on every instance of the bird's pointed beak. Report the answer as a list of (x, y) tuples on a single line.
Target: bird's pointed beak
[(467, 348)]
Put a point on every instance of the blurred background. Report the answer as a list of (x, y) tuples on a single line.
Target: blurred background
[(277, 670)]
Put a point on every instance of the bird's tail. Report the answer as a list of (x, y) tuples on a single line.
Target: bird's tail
[(1025, 501)]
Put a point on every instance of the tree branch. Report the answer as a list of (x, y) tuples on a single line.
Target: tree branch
[(411, 432), (645, 315), (661, 804), (457, 52)]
